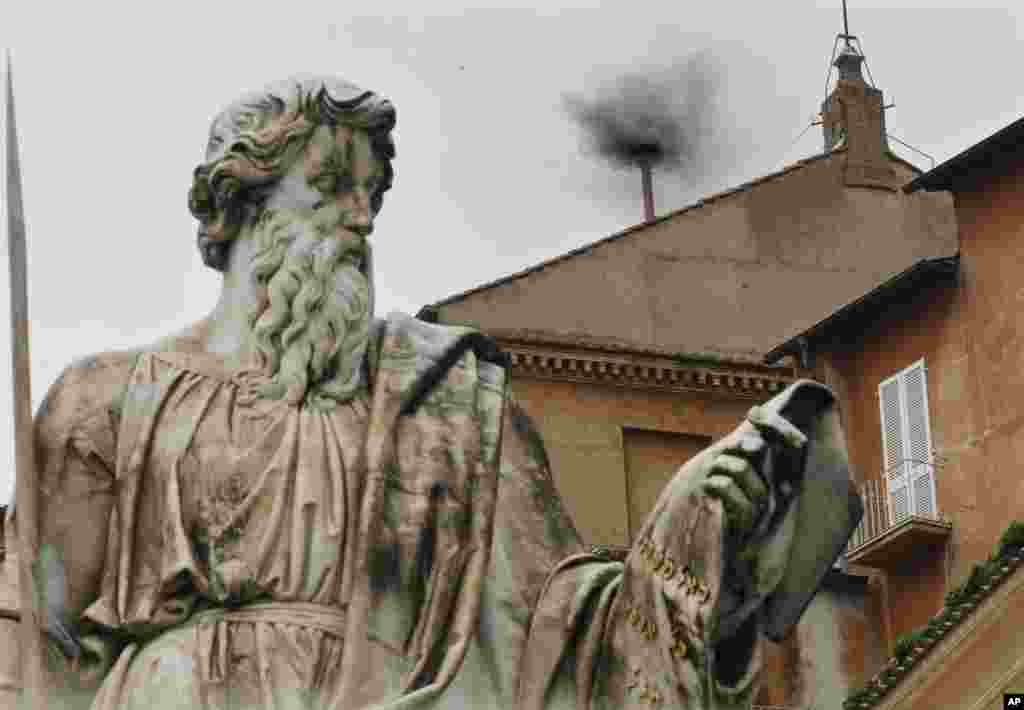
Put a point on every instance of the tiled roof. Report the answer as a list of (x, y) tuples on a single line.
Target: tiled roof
[(857, 314), (709, 199), (704, 201), (983, 158)]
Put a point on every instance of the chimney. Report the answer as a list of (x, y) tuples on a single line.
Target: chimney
[(853, 118), (648, 190)]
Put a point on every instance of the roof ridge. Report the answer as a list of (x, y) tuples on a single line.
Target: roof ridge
[(713, 197), (926, 266)]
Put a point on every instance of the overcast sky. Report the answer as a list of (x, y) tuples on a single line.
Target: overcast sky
[(114, 102)]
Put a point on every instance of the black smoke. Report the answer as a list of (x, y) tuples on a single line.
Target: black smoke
[(660, 118)]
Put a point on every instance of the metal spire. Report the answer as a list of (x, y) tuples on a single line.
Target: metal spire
[(15, 215), (26, 488), (846, 26), (849, 60)]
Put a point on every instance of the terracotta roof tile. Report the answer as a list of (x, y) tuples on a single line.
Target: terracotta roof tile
[(859, 313), (702, 202)]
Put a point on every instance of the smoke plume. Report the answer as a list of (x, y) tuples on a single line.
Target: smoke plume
[(662, 118)]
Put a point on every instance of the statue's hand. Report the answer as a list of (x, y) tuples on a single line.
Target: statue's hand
[(750, 472), (752, 475), (738, 477)]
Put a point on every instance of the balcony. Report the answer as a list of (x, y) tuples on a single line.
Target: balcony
[(882, 543)]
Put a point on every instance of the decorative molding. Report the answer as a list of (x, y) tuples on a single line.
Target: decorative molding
[(999, 687), (639, 371)]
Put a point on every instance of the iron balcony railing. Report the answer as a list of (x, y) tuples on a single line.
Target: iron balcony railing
[(877, 516)]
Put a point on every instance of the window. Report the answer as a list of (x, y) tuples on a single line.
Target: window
[(907, 444), (652, 459)]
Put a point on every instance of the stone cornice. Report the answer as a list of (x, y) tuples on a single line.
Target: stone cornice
[(620, 368)]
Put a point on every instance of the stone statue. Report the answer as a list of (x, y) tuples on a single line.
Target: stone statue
[(293, 505)]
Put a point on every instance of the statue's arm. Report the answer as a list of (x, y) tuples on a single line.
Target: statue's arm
[(532, 528), (685, 627), (75, 434), (673, 624)]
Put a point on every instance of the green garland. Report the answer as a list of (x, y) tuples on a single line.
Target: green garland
[(699, 360), (1011, 542)]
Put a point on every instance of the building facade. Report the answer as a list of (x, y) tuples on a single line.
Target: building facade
[(636, 351), (928, 367)]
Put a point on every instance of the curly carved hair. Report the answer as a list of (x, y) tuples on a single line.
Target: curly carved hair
[(254, 141)]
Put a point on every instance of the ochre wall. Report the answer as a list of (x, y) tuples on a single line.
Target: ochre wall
[(992, 247), (738, 274), (652, 458), (971, 336), (582, 426), (831, 651), (907, 334)]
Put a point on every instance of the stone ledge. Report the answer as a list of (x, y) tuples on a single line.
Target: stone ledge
[(645, 372), (896, 544)]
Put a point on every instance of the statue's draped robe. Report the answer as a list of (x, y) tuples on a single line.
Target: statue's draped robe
[(404, 549)]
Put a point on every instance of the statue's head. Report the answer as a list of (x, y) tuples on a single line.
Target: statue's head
[(297, 172), (256, 140)]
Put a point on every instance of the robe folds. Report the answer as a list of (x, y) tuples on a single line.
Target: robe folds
[(407, 549)]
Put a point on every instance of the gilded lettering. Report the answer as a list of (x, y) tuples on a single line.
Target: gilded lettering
[(646, 549), (648, 693), (678, 649), (679, 646), (630, 614), (687, 582)]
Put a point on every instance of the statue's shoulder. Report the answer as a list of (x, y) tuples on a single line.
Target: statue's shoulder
[(89, 387), (429, 351), (102, 380), (432, 341)]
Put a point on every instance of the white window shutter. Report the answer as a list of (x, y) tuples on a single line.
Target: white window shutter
[(919, 444), (897, 482)]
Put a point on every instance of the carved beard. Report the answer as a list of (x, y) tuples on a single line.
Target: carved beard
[(311, 321)]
